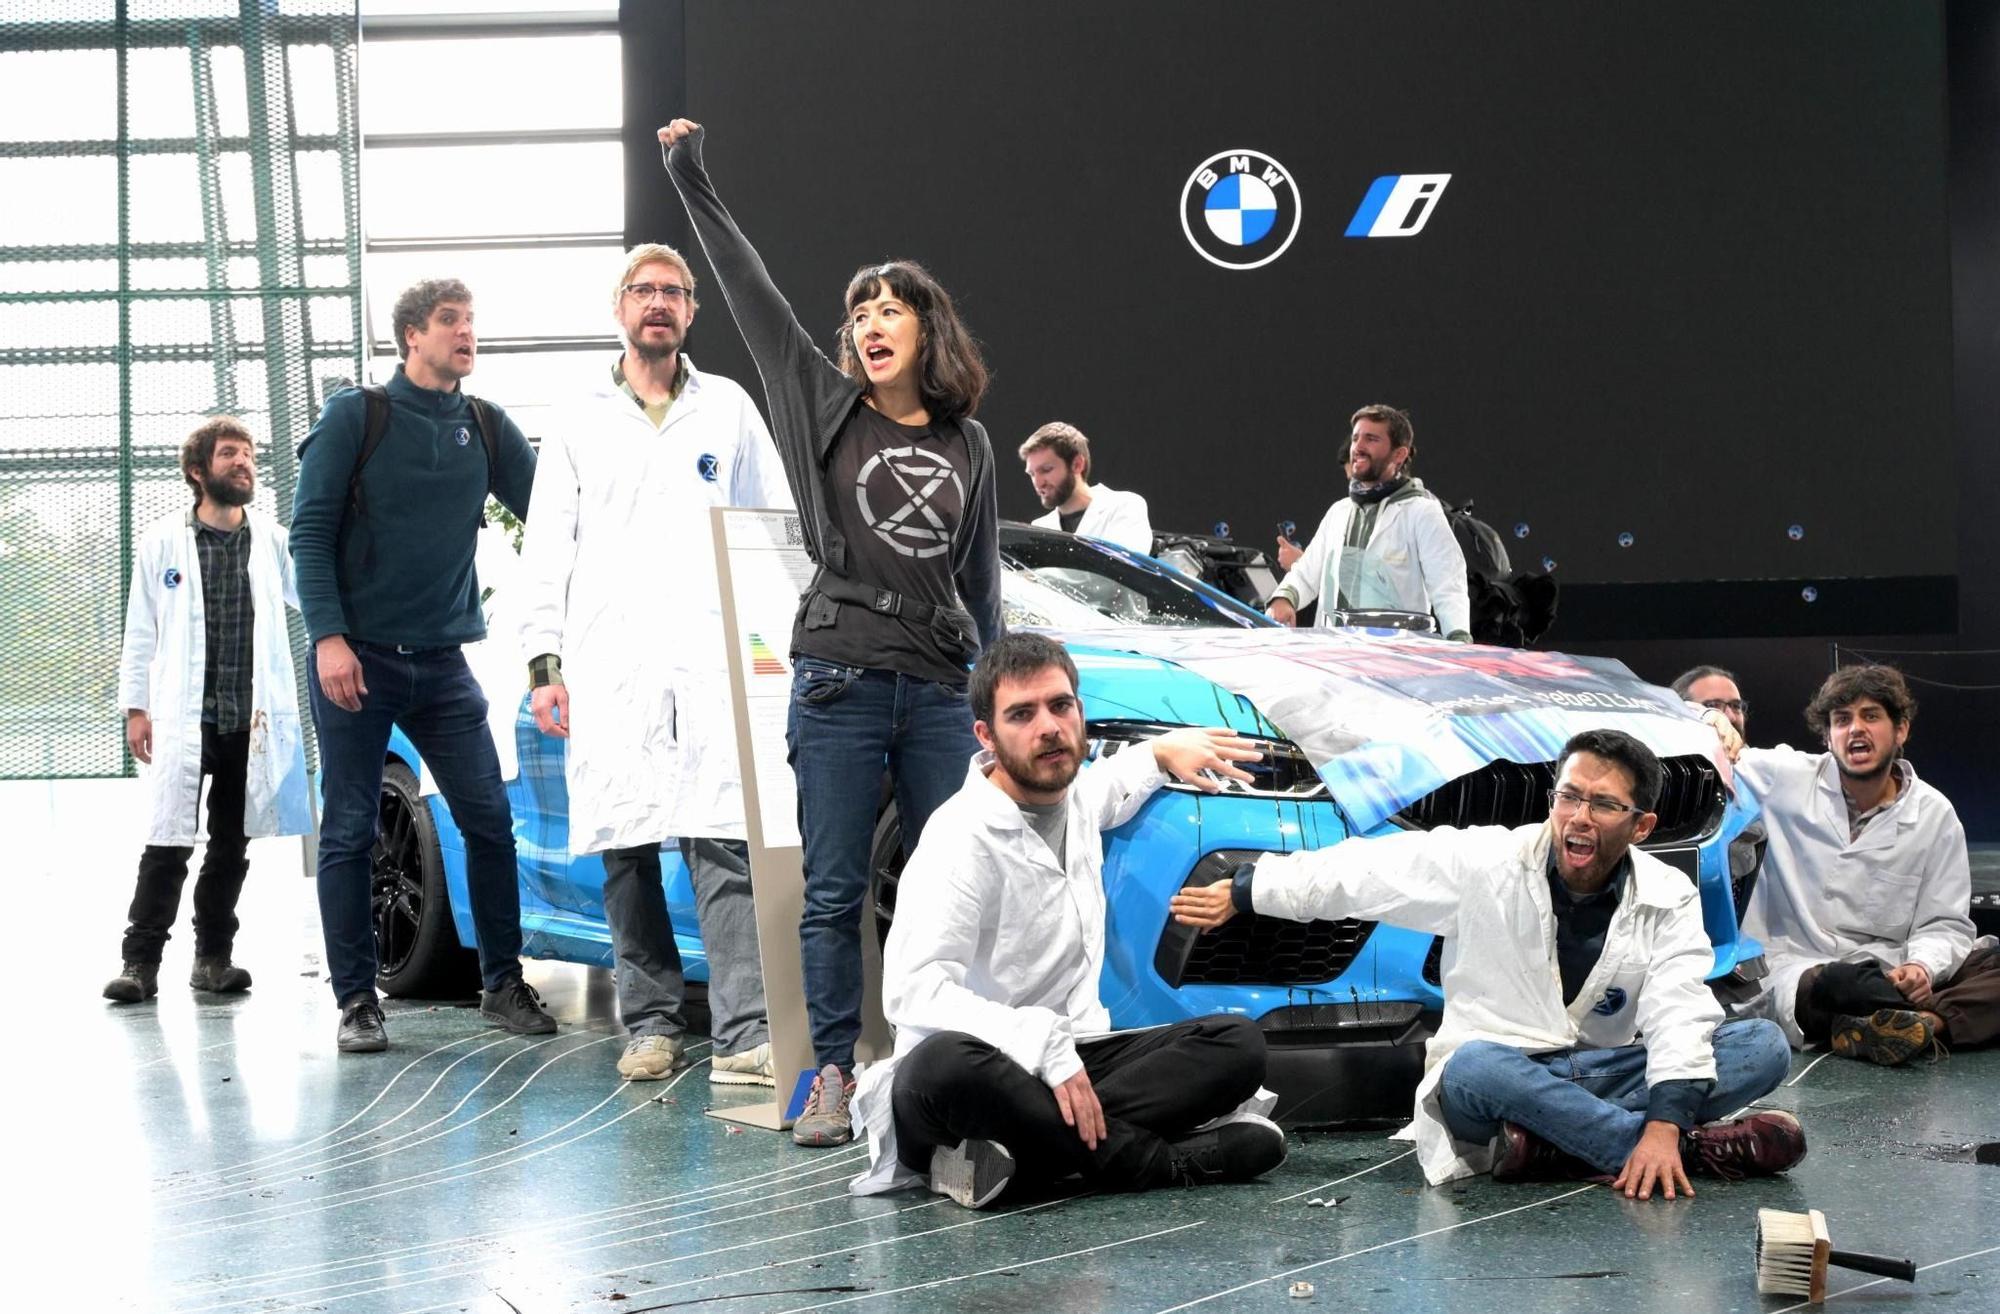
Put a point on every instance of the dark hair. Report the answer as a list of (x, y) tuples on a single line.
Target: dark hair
[(1401, 432), (1686, 679), (1065, 440), (1014, 656), (1851, 684), (417, 304), (198, 452), (1621, 749), (953, 377)]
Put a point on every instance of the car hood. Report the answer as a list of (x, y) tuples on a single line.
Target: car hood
[(1384, 717)]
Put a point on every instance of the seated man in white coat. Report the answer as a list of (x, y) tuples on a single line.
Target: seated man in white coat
[(1864, 905), (1385, 546), (1005, 1067), (1057, 459), (1579, 1037)]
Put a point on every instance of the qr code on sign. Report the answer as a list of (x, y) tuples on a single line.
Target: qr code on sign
[(795, 533)]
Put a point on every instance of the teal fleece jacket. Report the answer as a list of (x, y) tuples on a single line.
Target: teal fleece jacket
[(401, 571)]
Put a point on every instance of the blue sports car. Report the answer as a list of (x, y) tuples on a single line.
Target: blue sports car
[(1363, 731)]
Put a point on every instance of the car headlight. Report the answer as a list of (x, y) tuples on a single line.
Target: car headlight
[(1283, 772)]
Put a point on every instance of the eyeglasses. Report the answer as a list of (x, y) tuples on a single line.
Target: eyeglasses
[(671, 293), (1740, 706), (1604, 809)]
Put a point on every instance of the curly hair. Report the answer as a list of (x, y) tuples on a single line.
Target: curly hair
[(1850, 684)]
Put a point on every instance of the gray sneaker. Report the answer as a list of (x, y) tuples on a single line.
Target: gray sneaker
[(825, 1120), (649, 1058), (973, 1172), (217, 975), (134, 984), (752, 1067), (516, 1007)]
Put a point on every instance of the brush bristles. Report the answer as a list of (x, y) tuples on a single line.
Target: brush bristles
[(1789, 1252)]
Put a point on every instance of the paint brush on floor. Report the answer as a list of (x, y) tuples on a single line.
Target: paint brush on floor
[(1794, 1251)]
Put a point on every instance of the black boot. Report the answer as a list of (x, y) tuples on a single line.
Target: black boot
[(1236, 1151), (136, 983), (216, 974)]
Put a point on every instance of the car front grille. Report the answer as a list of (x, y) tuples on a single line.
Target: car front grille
[(1253, 950), (1517, 794)]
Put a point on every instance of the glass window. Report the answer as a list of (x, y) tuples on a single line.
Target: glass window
[(497, 84), (546, 292), (486, 191)]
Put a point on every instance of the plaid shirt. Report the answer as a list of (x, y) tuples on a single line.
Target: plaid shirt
[(224, 558)]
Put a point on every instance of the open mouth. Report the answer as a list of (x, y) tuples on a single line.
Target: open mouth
[(1578, 850), (878, 356)]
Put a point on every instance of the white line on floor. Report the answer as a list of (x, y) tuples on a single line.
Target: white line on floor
[(1809, 1067), (363, 1195), (1876, 1282), (1350, 1177), (841, 1162), (988, 1272), (1368, 1250), (320, 1167)]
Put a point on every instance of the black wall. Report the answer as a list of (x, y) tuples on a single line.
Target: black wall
[(1699, 276)]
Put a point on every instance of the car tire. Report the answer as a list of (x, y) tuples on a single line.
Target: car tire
[(885, 868), (417, 950)]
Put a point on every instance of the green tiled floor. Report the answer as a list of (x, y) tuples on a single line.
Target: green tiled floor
[(186, 1156)]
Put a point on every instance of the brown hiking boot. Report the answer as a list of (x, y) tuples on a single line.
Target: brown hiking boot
[(1521, 1156), (135, 983), (1888, 1036), (1764, 1143), (217, 975)]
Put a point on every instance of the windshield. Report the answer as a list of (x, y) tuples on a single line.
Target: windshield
[(1079, 584)]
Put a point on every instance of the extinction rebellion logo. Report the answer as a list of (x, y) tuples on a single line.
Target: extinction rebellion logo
[(1240, 209)]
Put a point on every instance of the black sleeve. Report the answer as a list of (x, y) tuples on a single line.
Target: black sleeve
[(806, 391), (979, 575)]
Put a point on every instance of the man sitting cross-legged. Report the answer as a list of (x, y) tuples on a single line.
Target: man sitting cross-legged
[(1564, 945), (1005, 1067)]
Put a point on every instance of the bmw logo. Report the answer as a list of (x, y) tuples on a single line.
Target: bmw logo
[(708, 465), (461, 435), (1240, 209), (172, 579)]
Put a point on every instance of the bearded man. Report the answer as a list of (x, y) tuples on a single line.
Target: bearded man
[(1006, 1068)]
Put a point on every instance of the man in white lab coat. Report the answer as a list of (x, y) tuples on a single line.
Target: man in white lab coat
[(207, 685), (1057, 459), (1005, 1065), (1864, 905), (624, 616), (1385, 546), (1579, 1036)]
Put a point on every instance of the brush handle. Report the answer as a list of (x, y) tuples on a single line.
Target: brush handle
[(1879, 1265)]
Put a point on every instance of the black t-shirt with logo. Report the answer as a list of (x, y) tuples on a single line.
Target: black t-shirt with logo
[(897, 495)]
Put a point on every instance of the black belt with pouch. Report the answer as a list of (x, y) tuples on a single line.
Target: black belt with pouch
[(951, 627)]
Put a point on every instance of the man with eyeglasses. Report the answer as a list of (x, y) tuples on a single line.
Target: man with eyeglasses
[(1715, 688), (1579, 1036), (624, 616)]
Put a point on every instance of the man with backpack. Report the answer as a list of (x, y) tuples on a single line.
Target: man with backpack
[(392, 486)]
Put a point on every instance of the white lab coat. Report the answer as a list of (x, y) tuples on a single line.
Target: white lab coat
[(1113, 516), (618, 578), (992, 938), (1486, 891), (1898, 894), (164, 659), (1412, 563)]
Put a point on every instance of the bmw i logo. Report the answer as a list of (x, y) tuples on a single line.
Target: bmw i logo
[(1240, 209), (708, 465)]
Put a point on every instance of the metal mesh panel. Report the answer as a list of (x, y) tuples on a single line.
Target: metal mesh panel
[(180, 239)]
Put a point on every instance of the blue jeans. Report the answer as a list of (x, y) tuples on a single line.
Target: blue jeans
[(432, 695), (846, 726), (1591, 1103)]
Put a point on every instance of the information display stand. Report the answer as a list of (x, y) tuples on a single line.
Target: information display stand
[(762, 563)]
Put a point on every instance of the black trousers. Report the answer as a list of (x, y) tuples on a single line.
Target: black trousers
[(163, 867), (1968, 1001), (1154, 1085)]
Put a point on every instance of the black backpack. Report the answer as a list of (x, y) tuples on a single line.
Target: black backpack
[(1510, 608), (377, 425)]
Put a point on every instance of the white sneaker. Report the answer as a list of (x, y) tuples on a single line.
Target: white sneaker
[(649, 1058), (972, 1173), (752, 1067)]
